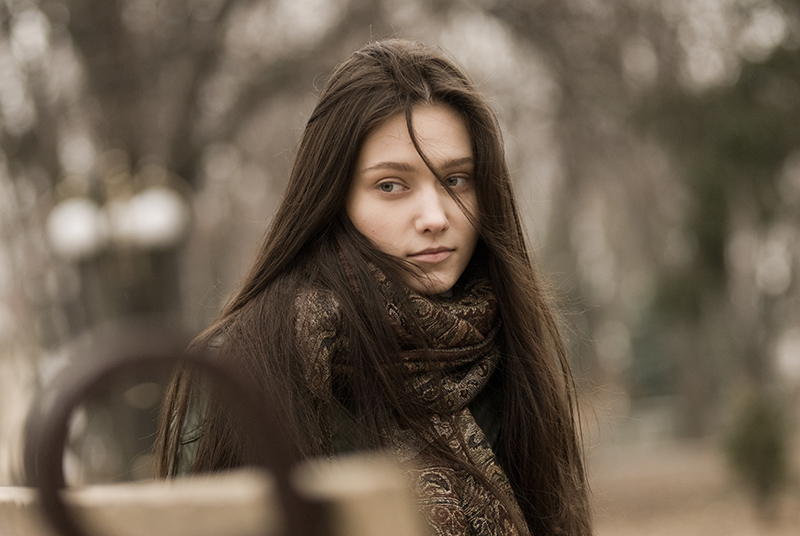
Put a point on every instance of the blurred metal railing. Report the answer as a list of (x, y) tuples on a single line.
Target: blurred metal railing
[(152, 350)]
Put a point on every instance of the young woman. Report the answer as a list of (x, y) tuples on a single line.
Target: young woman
[(394, 304)]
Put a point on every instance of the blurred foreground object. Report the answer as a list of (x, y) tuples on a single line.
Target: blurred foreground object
[(144, 347), (362, 495), (357, 496), (236, 504)]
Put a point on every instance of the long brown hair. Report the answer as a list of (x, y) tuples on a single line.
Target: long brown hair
[(311, 241)]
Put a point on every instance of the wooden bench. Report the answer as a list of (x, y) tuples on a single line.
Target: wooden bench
[(362, 495)]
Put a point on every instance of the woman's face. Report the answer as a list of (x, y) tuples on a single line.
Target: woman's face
[(400, 206)]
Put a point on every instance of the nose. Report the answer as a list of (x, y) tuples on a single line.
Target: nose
[(432, 211)]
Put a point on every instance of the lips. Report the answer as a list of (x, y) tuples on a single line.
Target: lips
[(432, 255)]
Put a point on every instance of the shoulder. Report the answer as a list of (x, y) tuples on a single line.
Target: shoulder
[(316, 310), (319, 336)]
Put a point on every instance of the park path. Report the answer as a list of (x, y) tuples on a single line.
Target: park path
[(679, 488)]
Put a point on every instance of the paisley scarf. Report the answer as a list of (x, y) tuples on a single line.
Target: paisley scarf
[(447, 365)]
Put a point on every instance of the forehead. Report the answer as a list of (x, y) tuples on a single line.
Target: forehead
[(440, 131)]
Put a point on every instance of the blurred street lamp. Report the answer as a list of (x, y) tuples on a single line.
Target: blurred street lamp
[(154, 218), (125, 253), (76, 228)]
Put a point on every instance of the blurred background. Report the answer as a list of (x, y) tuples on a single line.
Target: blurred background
[(655, 147)]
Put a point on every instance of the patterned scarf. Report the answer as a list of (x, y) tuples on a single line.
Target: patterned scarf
[(447, 366)]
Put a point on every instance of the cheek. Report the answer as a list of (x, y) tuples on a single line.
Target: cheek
[(377, 226)]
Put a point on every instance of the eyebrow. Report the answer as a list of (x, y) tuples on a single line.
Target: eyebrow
[(404, 166)]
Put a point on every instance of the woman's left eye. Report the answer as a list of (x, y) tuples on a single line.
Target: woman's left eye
[(456, 181)]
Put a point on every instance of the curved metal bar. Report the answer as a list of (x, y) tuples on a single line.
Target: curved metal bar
[(48, 428)]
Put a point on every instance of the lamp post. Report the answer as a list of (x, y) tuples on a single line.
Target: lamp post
[(125, 251)]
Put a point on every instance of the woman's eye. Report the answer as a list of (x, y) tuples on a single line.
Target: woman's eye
[(456, 181), (389, 187)]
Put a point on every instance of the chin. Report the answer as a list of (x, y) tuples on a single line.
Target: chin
[(430, 286)]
